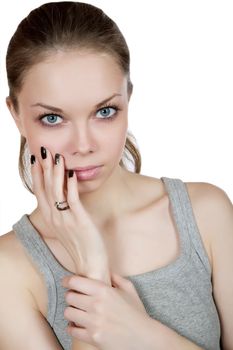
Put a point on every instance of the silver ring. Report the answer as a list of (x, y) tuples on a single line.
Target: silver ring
[(62, 205)]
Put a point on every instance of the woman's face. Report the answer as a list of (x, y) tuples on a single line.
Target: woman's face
[(62, 108)]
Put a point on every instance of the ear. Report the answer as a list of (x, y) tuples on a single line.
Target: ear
[(15, 115)]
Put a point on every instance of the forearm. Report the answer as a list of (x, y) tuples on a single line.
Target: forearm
[(165, 338), (91, 260)]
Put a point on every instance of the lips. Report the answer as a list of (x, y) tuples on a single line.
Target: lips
[(88, 173), (89, 167)]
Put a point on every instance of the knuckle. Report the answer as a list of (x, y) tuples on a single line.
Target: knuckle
[(56, 193), (72, 281), (37, 186), (97, 330), (46, 166), (67, 312), (72, 199), (97, 337), (68, 297)]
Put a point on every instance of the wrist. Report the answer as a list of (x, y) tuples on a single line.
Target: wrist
[(88, 256), (94, 267), (101, 274), (98, 268)]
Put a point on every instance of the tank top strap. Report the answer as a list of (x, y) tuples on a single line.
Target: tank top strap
[(42, 256), (185, 220)]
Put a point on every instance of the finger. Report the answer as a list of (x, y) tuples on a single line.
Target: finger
[(124, 284), (77, 316), (80, 333), (119, 281), (78, 300), (72, 191), (46, 161), (83, 285), (38, 184), (73, 198), (58, 179)]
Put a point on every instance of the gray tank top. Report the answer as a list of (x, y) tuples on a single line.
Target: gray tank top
[(178, 294)]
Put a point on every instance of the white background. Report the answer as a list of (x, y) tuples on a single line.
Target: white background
[(181, 108)]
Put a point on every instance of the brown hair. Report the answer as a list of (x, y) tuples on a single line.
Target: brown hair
[(65, 25)]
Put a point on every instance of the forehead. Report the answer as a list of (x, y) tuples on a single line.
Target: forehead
[(82, 75)]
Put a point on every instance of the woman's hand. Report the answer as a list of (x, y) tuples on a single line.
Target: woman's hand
[(110, 318), (72, 227)]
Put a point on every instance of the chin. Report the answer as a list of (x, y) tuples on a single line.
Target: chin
[(85, 187)]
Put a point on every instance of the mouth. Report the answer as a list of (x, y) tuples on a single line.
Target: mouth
[(87, 173), (89, 167)]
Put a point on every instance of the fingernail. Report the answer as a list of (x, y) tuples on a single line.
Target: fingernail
[(33, 159), (43, 152), (57, 158), (71, 173)]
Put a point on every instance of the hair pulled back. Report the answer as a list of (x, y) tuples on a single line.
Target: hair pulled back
[(57, 26)]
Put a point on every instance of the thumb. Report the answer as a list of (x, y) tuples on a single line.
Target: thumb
[(127, 286), (119, 281)]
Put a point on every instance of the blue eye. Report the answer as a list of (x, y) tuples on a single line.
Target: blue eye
[(50, 119), (106, 112)]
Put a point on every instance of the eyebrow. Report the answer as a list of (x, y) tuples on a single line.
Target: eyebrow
[(59, 110)]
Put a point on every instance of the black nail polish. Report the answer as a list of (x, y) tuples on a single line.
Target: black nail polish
[(57, 158), (43, 152), (33, 159), (71, 173)]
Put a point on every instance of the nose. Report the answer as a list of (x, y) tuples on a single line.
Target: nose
[(81, 140)]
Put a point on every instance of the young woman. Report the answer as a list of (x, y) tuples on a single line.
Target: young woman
[(129, 261)]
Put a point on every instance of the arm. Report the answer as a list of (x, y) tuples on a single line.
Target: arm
[(214, 213), (220, 213), (74, 228), (22, 326)]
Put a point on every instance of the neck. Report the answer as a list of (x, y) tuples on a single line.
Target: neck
[(110, 199)]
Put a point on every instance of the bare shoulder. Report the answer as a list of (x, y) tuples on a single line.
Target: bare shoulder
[(208, 194), (17, 302), (213, 212), (12, 250), (211, 203), (17, 265)]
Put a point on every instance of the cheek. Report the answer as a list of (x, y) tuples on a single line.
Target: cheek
[(114, 141), (36, 140)]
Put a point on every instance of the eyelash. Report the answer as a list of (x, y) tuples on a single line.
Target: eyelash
[(107, 119)]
